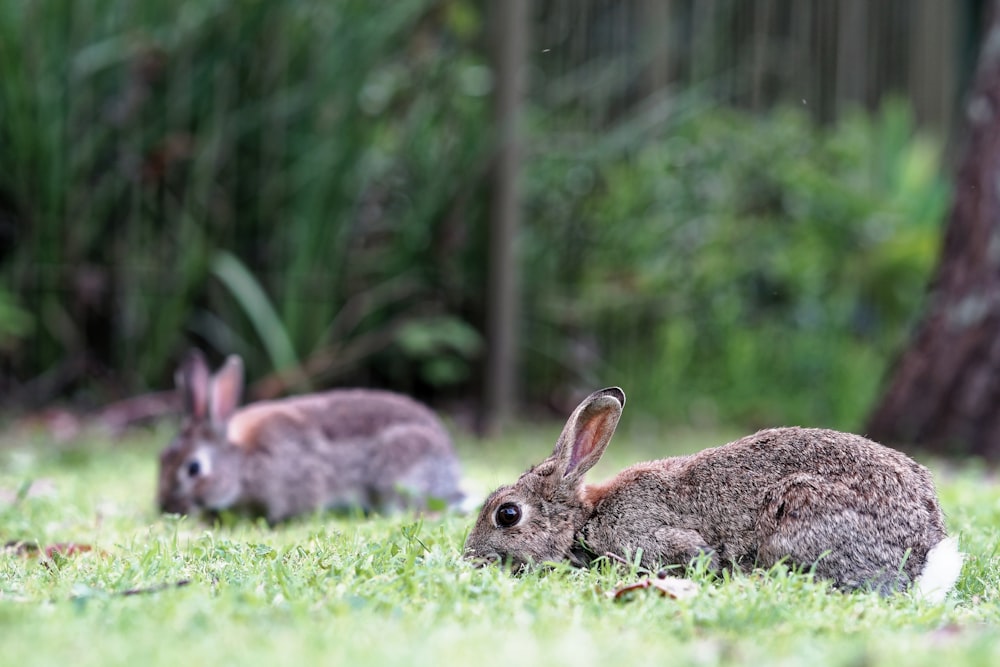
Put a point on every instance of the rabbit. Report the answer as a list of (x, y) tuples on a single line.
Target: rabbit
[(860, 514), (342, 449)]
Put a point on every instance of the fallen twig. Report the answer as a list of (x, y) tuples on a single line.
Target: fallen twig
[(155, 589)]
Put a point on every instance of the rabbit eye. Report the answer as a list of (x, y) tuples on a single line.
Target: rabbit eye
[(508, 515), (195, 466)]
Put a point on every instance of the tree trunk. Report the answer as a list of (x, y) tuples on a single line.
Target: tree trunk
[(943, 394), (502, 302)]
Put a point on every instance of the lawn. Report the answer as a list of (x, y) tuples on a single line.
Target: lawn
[(157, 590)]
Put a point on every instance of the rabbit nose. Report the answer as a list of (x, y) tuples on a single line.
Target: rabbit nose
[(481, 560), (173, 505)]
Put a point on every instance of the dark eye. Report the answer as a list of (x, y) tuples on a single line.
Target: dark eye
[(508, 515), (193, 468)]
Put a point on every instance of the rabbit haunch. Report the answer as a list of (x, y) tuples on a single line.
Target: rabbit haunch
[(860, 514), (370, 449)]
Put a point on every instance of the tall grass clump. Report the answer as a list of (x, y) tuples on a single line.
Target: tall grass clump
[(283, 180)]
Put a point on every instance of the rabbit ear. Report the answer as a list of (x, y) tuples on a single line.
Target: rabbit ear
[(227, 386), (588, 432), (192, 379)]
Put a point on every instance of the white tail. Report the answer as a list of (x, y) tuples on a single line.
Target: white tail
[(944, 563)]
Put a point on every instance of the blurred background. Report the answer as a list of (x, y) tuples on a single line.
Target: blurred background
[(731, 208)]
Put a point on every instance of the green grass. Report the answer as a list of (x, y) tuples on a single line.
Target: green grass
[(393, 590)]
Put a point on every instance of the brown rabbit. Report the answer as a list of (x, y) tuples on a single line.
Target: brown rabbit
[(373, 450), (860, 514)]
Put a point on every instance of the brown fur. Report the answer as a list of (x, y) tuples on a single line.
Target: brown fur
[(373, 450), (860, 514)]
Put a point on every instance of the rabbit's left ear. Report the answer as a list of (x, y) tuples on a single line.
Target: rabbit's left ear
[(227, 386), (192, 379), (588, 432)]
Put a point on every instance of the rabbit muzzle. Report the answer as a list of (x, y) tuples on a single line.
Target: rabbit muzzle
[(172, 504), (513, 563)]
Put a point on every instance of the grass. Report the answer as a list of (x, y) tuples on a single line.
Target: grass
[(393, 590)]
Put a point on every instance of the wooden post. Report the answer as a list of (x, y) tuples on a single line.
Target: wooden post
[(933, 62), (655, 32), (510, 27), (852, 80)]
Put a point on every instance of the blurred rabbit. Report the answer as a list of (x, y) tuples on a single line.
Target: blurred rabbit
[(356, 448), (860, 514)]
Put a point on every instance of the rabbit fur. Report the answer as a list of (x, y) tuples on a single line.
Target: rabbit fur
[(356, 448), (860, 514)]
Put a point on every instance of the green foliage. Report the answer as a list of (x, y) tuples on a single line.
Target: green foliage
[(15, 322), (175, 166), (742, 267), (445, 346), (303, 183), (257, 307), (394, 590)]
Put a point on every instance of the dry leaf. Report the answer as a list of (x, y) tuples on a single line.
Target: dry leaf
[(678, 589), (672, 587), (32, 549)]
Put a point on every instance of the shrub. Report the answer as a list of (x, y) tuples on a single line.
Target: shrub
[(740, 267)]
